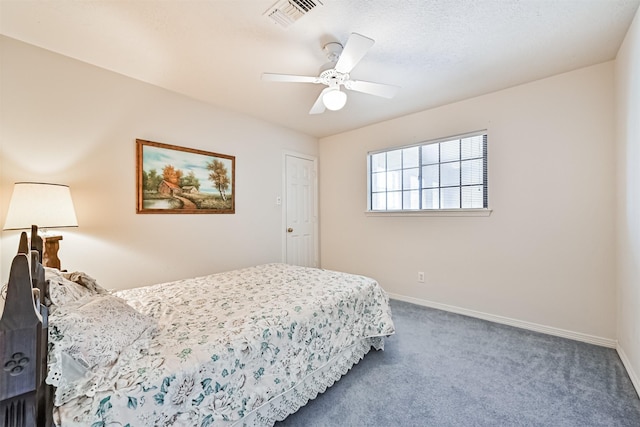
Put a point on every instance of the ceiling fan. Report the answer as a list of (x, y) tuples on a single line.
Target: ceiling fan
[(336, 73)]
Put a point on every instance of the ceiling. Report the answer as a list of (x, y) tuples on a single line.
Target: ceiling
[(437, 51)]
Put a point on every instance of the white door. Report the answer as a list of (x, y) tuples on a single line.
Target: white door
[(301, 216)]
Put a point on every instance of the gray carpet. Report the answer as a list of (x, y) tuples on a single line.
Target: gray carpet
[(444, 369)]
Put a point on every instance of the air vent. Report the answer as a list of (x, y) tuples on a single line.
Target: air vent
[(286, 12)]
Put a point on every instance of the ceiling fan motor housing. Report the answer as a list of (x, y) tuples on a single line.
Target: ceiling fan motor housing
[(332, 78), (333, 51)]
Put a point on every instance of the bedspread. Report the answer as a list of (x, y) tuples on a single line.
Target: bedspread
[(246, 347)]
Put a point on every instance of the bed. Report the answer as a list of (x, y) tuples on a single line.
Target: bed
[(242, 348)]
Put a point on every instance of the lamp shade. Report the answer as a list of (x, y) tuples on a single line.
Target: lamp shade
[(41, 204), (334, 99)]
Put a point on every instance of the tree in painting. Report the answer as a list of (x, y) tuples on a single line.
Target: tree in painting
[(219, 177), (151, 180), (172, 175)]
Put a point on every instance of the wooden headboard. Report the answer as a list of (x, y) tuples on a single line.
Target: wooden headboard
[(25, 399)]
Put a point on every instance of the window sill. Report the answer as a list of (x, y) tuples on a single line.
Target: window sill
[(433, 212)]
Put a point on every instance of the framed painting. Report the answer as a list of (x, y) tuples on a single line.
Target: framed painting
[(178, 180)]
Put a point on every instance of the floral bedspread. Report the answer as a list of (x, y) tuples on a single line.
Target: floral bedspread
[(247, 347)]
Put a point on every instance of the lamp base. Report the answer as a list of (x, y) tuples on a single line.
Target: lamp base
[(50, 255)]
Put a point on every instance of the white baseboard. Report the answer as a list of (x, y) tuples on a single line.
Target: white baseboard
[(627, 365), (578, 336)]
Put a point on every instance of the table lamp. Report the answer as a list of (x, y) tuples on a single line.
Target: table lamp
[(43, 205)]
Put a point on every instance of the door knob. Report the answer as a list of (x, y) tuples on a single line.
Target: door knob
[(289, 230)]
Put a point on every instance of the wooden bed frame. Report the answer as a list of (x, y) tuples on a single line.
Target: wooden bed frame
[(25, 399)]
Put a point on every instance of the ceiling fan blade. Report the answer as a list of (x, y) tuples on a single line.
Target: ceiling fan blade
[(355, 48), (318, 106), (377, 89), (270, 77)]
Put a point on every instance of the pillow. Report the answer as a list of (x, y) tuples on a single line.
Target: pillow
[(50, 271), (86, 338), (85, 280), (63, 291), (69, 287)]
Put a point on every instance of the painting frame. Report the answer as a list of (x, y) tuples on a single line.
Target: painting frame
[(191, 181)]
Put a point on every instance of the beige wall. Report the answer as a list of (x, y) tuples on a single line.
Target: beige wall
[(68, 122), (545, 255), (628, 220)]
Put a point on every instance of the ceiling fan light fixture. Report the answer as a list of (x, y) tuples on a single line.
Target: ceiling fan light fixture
[(334, 99)]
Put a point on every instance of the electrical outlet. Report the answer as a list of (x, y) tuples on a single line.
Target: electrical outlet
[(420, 276)]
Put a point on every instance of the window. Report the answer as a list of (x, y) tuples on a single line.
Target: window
[(437, 175)]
